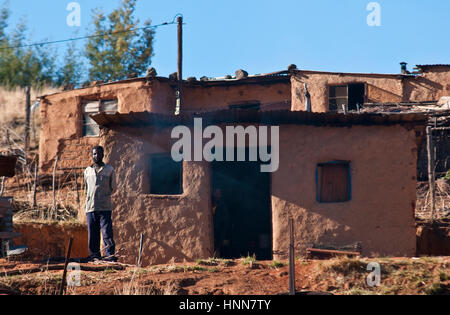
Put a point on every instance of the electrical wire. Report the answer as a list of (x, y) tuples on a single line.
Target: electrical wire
[(92, 36)]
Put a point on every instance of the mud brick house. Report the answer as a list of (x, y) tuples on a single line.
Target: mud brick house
[(68, 131), (342, 178), (330, 90)]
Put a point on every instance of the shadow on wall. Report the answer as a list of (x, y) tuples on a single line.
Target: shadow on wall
[(421, 89), (376, 94)]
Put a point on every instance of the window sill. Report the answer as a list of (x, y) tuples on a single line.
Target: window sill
[(332, 202), (165, 197)]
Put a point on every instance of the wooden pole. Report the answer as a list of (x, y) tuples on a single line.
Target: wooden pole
[(63, 281), (2, 188), (291, 259), (27, 121), (8, 141), (180, 66), (76, 187), (54, 184), (141, 246), (430, 152), (35, 184)]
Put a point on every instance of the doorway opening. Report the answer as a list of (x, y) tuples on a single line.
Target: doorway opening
[(241, 210), (356, 95)]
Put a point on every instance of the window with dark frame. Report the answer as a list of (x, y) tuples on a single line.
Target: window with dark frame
[(338, 97), (349, 95), (90, 127), (333, 181), (166, 175)]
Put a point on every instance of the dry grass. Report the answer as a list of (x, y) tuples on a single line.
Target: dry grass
[(442, 202), (425, 276), (12, 117), (12, 102)]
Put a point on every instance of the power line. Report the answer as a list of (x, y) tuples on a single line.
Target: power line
[(89, 36)]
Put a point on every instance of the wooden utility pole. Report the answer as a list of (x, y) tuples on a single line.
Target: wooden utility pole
[(180, 66), (430, 152), (27, 121)]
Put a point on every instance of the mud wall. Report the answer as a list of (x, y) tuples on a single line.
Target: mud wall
[(430, 86), (380, 213), (379, 88), (178, 227), (61, 114), (272, 96), (45, 240)]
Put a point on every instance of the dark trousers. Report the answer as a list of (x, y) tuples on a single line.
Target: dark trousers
[(97, 221)]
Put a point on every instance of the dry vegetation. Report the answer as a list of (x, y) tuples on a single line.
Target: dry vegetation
[(12, 117), (343, 276), (442, 200), (12, 129)]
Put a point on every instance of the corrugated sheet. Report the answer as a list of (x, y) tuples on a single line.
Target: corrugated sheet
[(256, 117), (432, 65)]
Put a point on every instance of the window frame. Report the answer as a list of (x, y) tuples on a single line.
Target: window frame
[(349, 181), (346, 85), (150, 170), (85, 114)]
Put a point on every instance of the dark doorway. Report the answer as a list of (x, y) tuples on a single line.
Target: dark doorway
[(242, 210), (355, 95)]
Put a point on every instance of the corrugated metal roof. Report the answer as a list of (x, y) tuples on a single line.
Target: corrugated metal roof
[(256, 117), (399, 75), (432, 65)]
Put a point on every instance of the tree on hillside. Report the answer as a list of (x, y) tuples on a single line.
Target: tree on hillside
[(22, 66), (25, 66), (115, 56), (71, 71), (4, 16)]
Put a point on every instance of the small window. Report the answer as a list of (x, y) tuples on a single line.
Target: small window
[(333, 182), (90, 127), (166, 175), (338, 97), (350, 95)]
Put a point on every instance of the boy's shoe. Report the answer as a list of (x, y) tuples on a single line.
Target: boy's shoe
[(91, 259), (110, 259)]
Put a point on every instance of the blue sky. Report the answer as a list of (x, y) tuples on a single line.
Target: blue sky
[(263, 36)]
